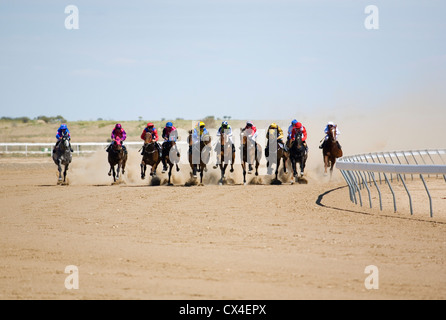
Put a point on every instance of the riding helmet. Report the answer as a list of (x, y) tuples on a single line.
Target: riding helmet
[(150, 124), (118, 126), (330, 123), (63, 126), (293, 122), (249, 124), (224, 124), (169, 125)]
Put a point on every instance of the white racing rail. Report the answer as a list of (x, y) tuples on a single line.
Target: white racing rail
[(359, 171), (46, 148)]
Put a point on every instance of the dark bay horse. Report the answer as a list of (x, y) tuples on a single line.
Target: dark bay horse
[(62, 157), (298, 154), (151, 156), (226, 155), (198, 158), (280, 155), (172, 156), (331, 150), (117, 156), (250, 152)]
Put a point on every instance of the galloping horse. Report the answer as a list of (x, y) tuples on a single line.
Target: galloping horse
[(298, 154), (150, 156), (116, 156), (331, 150), (62, 156), (204, 154), (250, 151), (172, 157), (227, 153), (280, 154)]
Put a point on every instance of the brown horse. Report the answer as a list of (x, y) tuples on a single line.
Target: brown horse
[(331, 150), (251, 151), (226, 155), (204, 154), (150, 157), (280, 154), (172, 156), (117, 156)]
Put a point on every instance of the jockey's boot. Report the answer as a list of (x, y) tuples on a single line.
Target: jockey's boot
[(322, 145), (267, 152), (108, 148), (339, 145), (125, 149), (143, 149)]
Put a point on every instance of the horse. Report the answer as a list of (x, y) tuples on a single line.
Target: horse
[(204, 152), (331, 150), (226, 155), (298, 154), (116, 156), (151, 156), (280, 154), (250, 151), (172, 156), (62, 156)]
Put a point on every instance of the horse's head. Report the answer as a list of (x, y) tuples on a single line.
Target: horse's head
[(148, 138), (117, 144), (206, 139), (332, 132)]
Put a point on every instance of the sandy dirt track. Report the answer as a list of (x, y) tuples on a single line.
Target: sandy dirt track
[(134, 241)]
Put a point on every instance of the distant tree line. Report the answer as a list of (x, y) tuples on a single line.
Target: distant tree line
[(56, 119)]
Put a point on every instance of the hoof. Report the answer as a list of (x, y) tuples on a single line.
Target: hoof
[(109, 174), (178, 169), (215, 167), (232, 170)]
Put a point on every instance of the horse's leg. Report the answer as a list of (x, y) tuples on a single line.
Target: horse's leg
[(118, 171), (277, 168), (170, 174), (65, 173), (59, 168), (114, 174), (201, 173), (244, 172), (232, 162), (143, 170), (257, 167), (325, 163)]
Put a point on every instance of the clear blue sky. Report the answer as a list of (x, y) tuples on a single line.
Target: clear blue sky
[(249, 59)]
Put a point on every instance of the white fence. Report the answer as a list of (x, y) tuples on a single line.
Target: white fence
[(359, 171), (46, 148)]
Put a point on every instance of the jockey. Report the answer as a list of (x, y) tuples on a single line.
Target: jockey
[(63, 130), (150, 128), (169, 134), (290, 128), (298, 127), (274, 126), (118, 132), (250, 131), (199, 132), (226, 129), (328, 127)]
